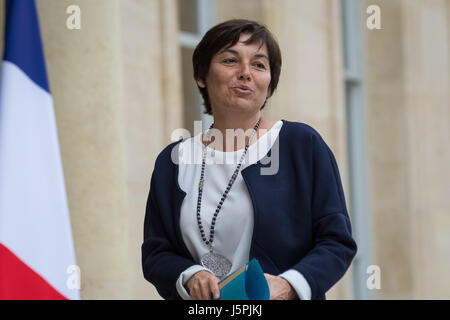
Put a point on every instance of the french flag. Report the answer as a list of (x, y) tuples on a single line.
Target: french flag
[(37, 258)]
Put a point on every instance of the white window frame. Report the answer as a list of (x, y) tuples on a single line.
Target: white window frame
[(352, 26), (206, 18)]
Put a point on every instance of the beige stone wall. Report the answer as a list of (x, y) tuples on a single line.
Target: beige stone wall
[(152, 110), (427, 102), (84, 69), (386, 136), (407, 87)]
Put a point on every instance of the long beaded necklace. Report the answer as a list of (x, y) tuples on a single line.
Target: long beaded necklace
[(215, 262)]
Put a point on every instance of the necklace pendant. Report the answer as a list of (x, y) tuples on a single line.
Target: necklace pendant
[(218, 264)]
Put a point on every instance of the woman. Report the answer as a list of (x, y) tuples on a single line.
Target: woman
[(206, 219)]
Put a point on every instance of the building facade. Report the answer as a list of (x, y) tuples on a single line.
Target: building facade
[(122, 84)]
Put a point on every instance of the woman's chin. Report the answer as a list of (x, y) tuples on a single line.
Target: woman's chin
[(243, 105)]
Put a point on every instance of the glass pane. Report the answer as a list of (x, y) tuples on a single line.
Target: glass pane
[(192, 100), (187, 15)]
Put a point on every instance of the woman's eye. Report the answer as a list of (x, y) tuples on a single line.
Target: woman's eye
[(260, 65), (229, 60)]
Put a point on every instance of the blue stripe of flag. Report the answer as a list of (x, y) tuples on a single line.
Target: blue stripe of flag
[(23, 45)]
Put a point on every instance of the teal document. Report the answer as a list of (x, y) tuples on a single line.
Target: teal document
[(247, 283)]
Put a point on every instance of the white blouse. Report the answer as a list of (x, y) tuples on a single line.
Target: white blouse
[(234, 224)]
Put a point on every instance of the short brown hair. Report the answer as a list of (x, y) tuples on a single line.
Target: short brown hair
[(227, 34)]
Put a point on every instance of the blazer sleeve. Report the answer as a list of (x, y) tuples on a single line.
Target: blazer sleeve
[(333, 247), (160, 262)]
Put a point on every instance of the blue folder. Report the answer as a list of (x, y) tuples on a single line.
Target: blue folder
[(247, 283)]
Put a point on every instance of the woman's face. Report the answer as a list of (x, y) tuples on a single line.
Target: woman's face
[(238, 77)]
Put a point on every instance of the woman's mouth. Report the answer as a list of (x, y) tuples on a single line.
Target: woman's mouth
[(242, 89)]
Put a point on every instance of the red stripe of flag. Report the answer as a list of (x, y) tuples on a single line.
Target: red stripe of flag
[(20, 282)]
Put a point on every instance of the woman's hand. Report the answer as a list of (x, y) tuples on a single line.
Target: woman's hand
[(280, 288), (203, 286)]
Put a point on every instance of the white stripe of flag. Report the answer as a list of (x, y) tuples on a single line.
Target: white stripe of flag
[(34, 215)]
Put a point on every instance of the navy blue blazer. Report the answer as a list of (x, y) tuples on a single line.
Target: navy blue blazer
[(300, 216)]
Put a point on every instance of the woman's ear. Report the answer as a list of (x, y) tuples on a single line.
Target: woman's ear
[(269, 93), (201, 83)]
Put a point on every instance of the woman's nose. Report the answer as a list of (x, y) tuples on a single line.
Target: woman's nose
[(244, 73)]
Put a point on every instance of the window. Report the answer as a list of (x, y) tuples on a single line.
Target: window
[(356, 133), (195, 17)]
